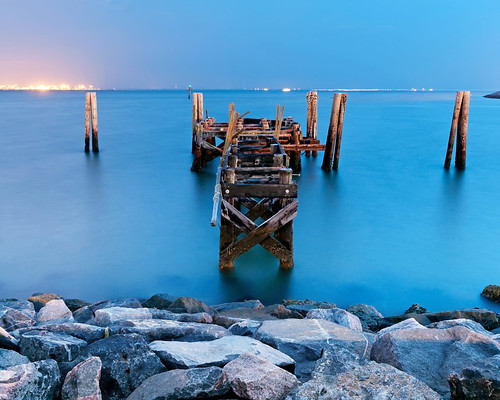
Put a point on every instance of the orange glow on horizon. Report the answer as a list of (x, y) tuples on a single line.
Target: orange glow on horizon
[(47, 87)]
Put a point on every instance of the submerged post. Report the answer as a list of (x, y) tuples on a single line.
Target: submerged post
[(454, 124), (312, 117), (463, 121), (87, 122), (91, 116), (332, 132), (340, 126), (95, 137)]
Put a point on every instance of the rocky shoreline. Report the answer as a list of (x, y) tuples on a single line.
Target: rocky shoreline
[(179, 348)]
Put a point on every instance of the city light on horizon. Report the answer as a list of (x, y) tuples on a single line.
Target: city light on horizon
[(47, 87)]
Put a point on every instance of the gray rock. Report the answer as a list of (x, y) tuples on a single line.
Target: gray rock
[(386, 322), (338, 316), (125, 303), (7, 341), (202, 318), (409, 323), (245, 328), (304, 306), (111, 315), (216, 352), (252, 304), (304, 339), (82, 382), (183, 384), (126, 362), (230, 317), (54, 310), (12, 319), (416, 309), (89, 333), (84, 315), (26, 307), (495, 95), (158, 329), (252, 377), (75, 304), (160, 301), (189, 305), (368, 315), (33, 381), (431, 355), (9, 358), (40, 299), (478, 381), (467, 323), (43, 345), (281, 312)]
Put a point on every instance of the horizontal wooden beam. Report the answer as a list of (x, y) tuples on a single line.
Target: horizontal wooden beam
[(259, 190), (303, 147)]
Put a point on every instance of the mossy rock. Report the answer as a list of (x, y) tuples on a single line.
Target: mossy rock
[(492, 292)]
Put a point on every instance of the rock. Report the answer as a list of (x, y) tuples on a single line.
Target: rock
[(54, 310), (12, 319), (160, 301), (82, 382), (478, 381), (368, 315), (492, 292), (338, 316), (385, 322), (252, 304), (75, 304), (281, 312), (252, 377), (112, 315), (157, 329), (40, 299), (230, 317), (202, 318), (416, 309), (9, 358), (89, 333), (189, 305), (183, 384), (33, 381), (304, 339), (216, 352), (26, 307), (304, 306), (495, 95), (126, 362), (409, 323), (124, 303), (43, 345), (84, 315), (431, 355), (245, 328), (473, 326), (7, 341)]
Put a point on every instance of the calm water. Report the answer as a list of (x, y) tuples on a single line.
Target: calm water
[(391, 228)]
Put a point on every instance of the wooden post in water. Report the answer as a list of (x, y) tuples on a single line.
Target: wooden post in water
[(463, 121), (87, 122), (340, 126), (95, 137), (285, 234), (227, 236), (91, 120), (454, 124), (332, 132), (312, 117)]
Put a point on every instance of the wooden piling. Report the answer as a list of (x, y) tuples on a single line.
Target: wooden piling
[(340, 126), (95, 136), (454, 124), (87, 122), (463, 121), (227, 231), (332, 132), (312, 117), (285, 234)]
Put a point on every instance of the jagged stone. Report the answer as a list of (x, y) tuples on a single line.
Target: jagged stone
[(9, 358), (7, 341), (304, 306), (281, 312), (84, 315), (26, 307), (112, 315), (183, 384), (54, 310), (75, 304), (43, 345), (40, 299), (12, 319), (368, 315), (230, 317), (338, 316), (89, 333), (245, 328), (492, 292), (216, 352), (189, 305), (252, 304), (202, 318), (409, 323), (33, 381), (255, 378), (124, 303), (82, 382), (478, 381), (416, 309), (467, 323), (160, 301)]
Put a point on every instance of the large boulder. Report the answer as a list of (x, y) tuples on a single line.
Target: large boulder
[(338, 316), (255, 378), (125, 302), (82, 382), (281, 312), (26, 307), (201, 318), (9, 358), (367, 314), (40, 299), (478, 381), (304, 339), (89, 333), (33, 381), (84, 315), (492, 292), (157, 329), (183, 384), (409, 323), (75, 304), (43, 345), (54, 310), (189, 305), (230, 317), (304, 306), (467, 323), (7, 341), (431, 355), (12, 319), (216, 352), (416, 309), (160, 301), (113, 315), (245, 327), (126, 362), (252, 304)]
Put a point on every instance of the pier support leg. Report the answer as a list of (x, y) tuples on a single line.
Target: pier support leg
[(95, 136), (332, 132), (463, 120), (340, 126), (454, 124), (87, 122), (285, 234)]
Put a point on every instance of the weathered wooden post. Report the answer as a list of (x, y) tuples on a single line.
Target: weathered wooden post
[(87, 122), (312, 117), (227, 231), (463, 121), (91, 117), (285, 234), (332, 132), (454, 124), (340, 126), (95, 137)]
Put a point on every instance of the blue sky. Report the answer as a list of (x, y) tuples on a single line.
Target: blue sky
[(439, 44)]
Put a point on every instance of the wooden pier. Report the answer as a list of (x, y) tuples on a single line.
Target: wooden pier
[(254, 176)]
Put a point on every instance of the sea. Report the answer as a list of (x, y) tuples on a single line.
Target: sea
[(390, 228)]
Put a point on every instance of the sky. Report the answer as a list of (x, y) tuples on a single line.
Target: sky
[(210, 44)]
